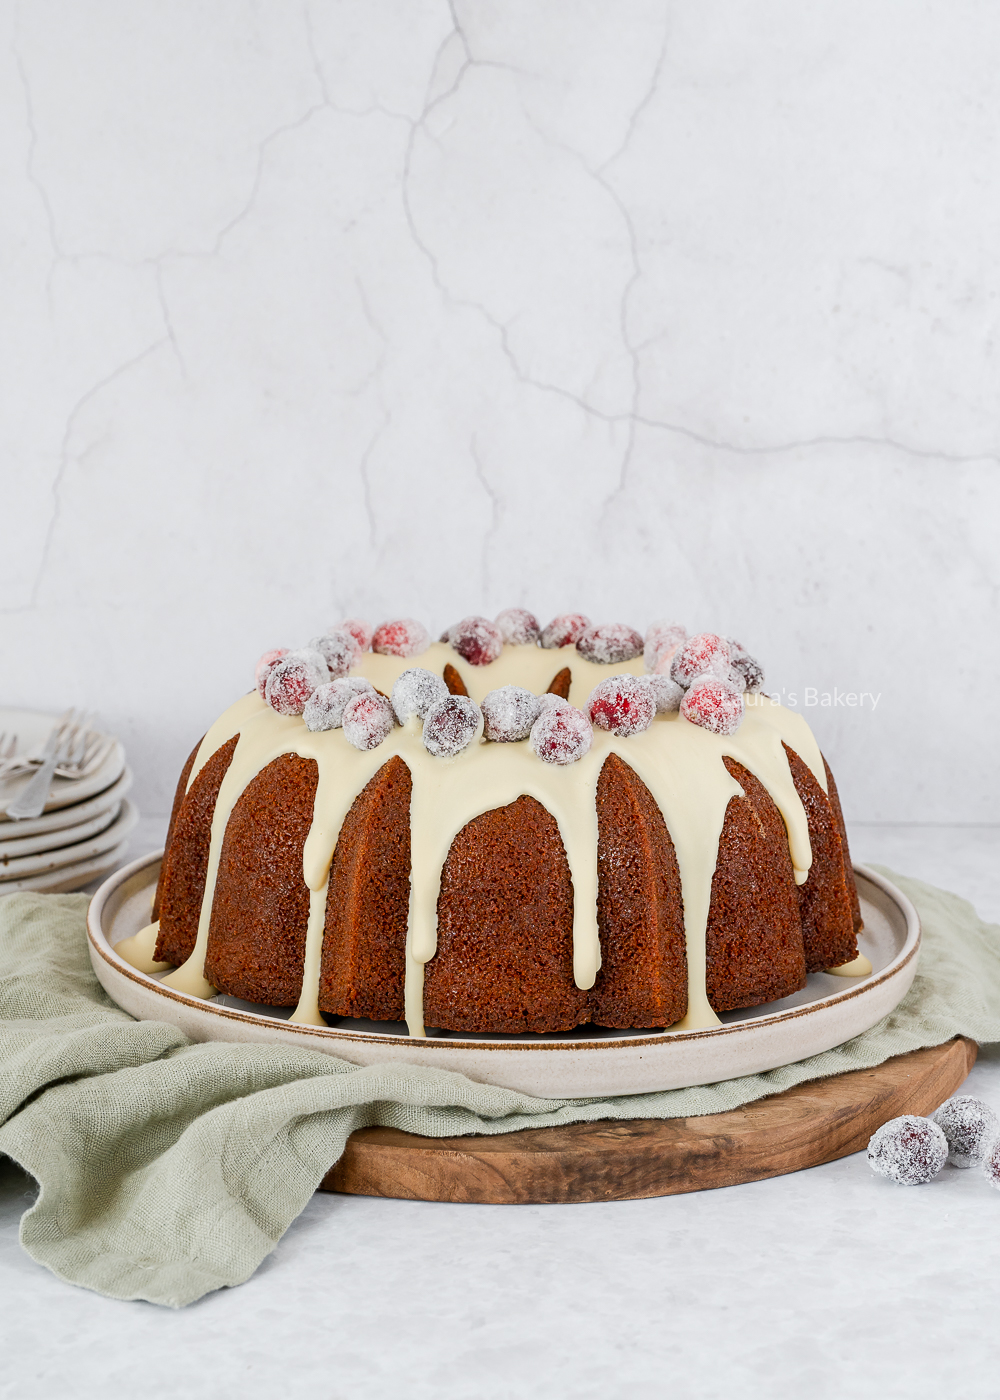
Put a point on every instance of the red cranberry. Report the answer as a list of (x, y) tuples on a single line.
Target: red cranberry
[(293, 679), (624, 704), (450, 725), (609, 644), (704, 655), (264, 665), (404, 637), (561, 734), (714, 705), (367, 720), (477, 640), (563, 630), (518, 626)]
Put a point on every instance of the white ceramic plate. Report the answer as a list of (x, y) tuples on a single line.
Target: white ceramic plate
[(32, 729), (45, 828), (42, 861), (13, 851), (585, 1063), (68, 877)]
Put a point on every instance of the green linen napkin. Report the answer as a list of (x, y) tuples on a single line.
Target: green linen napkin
[(167, 1169)]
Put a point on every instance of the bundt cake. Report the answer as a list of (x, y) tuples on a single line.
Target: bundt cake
[(522, 831)]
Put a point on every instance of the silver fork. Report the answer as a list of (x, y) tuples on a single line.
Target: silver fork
[(59, 746)]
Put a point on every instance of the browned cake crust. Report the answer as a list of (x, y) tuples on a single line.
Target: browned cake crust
[(824, 903), (561, 682), (185, 863), (363, 967), (504, 960), (257, 937), (179, 796), (643, 976), (754, 939), (453, 681), (838, 816)]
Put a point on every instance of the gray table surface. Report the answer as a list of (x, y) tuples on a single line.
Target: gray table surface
[(829, 1282)]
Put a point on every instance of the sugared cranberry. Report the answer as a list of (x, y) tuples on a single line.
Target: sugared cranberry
[(908, 1150), (509, 712), (623, 704), (293, 679), (609, 644), (325, 707), (367, 720), (361, 631), (991, 1164), (704, 655), (450, 725), (477, 640), (338, 649), (714, 705), (518, 626), (549, 701), (264, 665), (747, 666), (663, 639), (666, 693), (970, 1127), (563, 630), (415, 691), (404, 637), (561, 734)]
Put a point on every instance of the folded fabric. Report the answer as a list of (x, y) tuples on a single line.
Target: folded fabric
[(167, 1169)]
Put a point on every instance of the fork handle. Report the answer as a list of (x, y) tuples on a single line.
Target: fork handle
[(32, 799)]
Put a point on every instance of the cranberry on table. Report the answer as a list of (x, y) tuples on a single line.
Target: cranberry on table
[(970, 1127), (908, 1150)]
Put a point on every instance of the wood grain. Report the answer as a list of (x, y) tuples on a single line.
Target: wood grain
[(611, 1161)]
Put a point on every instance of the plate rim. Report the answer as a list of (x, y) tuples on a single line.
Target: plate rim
[(118, 828), (64, 798), (100, 944), (91, 869), (107, 796)]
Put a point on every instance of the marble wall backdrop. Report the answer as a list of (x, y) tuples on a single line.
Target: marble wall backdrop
[(396, 306)]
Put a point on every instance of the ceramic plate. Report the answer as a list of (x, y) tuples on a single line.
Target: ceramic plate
[(585, 1063), (43, 829), (68, 877), (95, 845), (32, 729), (12, 851)]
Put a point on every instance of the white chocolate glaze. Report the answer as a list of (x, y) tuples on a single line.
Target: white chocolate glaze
[(680, 763), (857, 967), (138, 950)]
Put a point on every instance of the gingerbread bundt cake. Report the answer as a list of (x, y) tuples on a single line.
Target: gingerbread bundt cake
[(523, 830)]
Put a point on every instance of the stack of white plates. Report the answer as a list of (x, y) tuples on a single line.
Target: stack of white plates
[(82, 832)]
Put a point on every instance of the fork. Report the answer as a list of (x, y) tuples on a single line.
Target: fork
[(59, 748)]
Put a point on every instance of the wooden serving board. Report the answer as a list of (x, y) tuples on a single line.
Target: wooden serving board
[(612, 1161)]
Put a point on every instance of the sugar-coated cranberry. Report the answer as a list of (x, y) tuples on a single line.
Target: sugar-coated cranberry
[(518, 626), (263, 669), (704, 655), (970, 1127), (991, 1164), (293, 679), (561, 734), (548, 701), (404, 637), (908, 1150), (509, 712), (563, 630), (667, 694), (623, 704), (367, 720), (361, 631), (663, 639), (415, 691), (325, 707), (714, 705), (450, 725), (748, 667), (609, 644), (338, 649), (477, 640)]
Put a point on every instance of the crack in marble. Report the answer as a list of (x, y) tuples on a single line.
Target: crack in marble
[(495, 510), (64, 461), (375, 377)]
